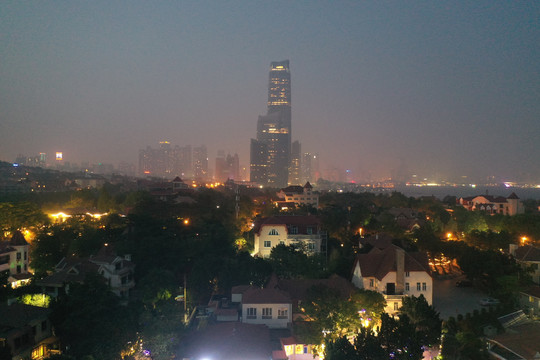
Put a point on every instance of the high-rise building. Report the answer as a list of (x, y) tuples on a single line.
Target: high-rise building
[(295, 173), (272, 148), (200, 162)]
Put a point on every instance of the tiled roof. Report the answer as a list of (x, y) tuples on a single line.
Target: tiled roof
[(18, 315), (301, 221), (296, 189), (308, 186), (240, 289), (266, 296), (527, 253), (379, 241), (18, 239), (291, 340), (522, 339), (513, 196), (378, 263)]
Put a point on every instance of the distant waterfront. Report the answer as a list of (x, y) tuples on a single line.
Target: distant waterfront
[(461, 191)]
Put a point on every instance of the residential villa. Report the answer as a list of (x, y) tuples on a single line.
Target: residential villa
[(288, 230), (118, 272), (27, 331), (493, 204), (394, 273), (528, 256), (14, 259), (298, 195)]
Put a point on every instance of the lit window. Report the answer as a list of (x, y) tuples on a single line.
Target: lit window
[(407, 274), (418, 286), (396, 306), (407, 288), (267, 243), (370, 283), (273, 232)]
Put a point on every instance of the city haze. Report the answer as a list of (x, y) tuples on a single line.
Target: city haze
[(438, 89)]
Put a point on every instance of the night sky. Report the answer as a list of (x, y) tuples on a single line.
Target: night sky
[(436, 88)]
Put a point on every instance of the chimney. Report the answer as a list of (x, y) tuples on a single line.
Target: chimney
[(512, 249), (400, 270)]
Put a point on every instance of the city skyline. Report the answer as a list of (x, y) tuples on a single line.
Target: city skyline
[(381, 89)]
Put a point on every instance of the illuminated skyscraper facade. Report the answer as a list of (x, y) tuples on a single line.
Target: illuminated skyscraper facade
[(271, 151)]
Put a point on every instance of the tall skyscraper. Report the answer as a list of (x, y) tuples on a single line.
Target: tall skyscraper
[(271, 150), (295, 173)]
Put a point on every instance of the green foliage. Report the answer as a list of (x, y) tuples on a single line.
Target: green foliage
[(40, 300), (91, 321), (424, 318), (158, 285), (369, 303), (292, 261), (15, 216)]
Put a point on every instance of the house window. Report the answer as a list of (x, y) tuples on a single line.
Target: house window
[(424, 287), (282, 242), (407, 287), (294, 230), (273, 232), (18, 269), (309, 230), (418, 286), (370, 283), (267, 313), (267, 243), (283, 313), (407, 274), (311, 246), (25, 255), (396, 306), (18, 256), (251, 313), (118, 266)]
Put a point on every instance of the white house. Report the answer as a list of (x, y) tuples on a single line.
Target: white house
[(493, 205), (288, 230), (528, 256), (270, 307), (395, 274), (299, 195), (14, 259)]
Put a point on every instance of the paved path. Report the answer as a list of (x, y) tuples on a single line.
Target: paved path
[(450, 300)]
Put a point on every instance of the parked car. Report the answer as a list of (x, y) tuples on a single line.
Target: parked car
[(488, 302), (464, 283)]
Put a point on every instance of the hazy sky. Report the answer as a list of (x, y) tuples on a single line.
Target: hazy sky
[(439, 87)]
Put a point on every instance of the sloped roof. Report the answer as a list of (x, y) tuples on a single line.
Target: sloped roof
[(379, 262), (522, 339), (513, 196), (380, 241), (18, 239), (296, 189), (301, 221), (308, 186), (527, 253), (71, 270), (240, 289), (19, 315), (265, 296)]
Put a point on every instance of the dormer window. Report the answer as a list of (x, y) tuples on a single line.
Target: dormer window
[(273, 232), (118, 266)]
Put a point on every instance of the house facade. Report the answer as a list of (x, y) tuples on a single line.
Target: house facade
[(270, 307), (299, 195), (14, 259), (288, 230), (528, 256), (492, 205), (395, 274), (27, 331), (118, 272)]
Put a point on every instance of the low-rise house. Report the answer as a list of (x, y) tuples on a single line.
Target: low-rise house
[(299, 195), (26, 330), (489, 204), (288, 230), (270, 307), (297, 350), (519, 341), (118, 272), (528, 256), (529, 301), (395, 274), (14, 259)]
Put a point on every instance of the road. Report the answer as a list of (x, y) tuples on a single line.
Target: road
[(450, 300)]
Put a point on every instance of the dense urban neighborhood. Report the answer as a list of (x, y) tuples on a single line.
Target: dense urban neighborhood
[(115, 267)]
